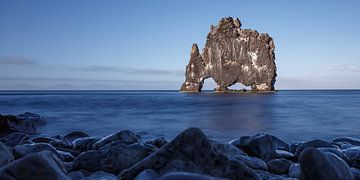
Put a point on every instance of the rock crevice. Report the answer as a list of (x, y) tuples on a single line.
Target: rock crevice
[(232, 55)]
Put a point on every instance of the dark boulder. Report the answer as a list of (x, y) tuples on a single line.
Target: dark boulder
[(190, 151), (101, 175), (159, 142), (253, 162), (42, 165), (85, 143), (124, 135), (354, 155), (148, 174), (26, 123), (260, 145), (5, 155), (113, 158), (16, 138), (313, 144), (352, 141), (279, 166), (323, 166), (295, 171), (25, 149), (72, 136)]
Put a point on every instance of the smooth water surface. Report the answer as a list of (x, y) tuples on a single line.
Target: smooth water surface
[(290, 115)]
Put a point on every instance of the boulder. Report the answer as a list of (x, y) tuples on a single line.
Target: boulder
[(356, 173), (323, 166), (57, 143), (148, 174), (85, 143), (314, 144), (192, 152), (352, 141), (285, 154), (354, 155), (253, 162), (25, 149), (76, 175), (5, 155), (228, 150), (42, 165), (268, 176), (16, 138), (72, 136), (294, 170), (159, 142), (101, 175), (337, 152), (261, 146), (26, 123), (124, 135), (279, 166), (113, 158)]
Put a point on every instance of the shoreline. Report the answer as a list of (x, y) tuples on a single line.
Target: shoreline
[(191, 154)]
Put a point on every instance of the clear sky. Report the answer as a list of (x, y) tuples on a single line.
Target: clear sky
[(146, 44)]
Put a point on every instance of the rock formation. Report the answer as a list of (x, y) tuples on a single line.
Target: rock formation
[(232, 55)]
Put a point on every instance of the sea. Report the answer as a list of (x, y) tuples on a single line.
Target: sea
[(291, 115)]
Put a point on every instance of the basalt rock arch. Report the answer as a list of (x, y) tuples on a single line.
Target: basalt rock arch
[(232, 55)]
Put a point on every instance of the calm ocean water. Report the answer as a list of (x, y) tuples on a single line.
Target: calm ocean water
[(290, 115)]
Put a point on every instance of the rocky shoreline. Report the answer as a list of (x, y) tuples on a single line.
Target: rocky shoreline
[(26, 154)]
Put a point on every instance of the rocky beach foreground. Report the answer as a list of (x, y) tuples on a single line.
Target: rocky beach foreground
[(26, 154)]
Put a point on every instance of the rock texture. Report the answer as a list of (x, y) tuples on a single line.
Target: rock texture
[(232, 55)]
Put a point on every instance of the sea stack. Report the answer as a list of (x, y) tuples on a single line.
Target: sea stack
[(232, 55)]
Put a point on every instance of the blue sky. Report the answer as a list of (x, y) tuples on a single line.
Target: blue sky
[(146, 44)]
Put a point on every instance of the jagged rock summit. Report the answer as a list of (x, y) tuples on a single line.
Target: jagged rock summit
[(232, 55)]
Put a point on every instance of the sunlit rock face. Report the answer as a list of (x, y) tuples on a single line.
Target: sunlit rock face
[(232, 55)]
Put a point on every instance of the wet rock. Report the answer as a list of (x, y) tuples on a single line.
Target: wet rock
[(352, 141), (25, 149), (72, 136), (25, 123), (337, 152), (285, 154), (5, 155), (294, 170), (356, 173), (267, 175), (238, 141), (65, 156), (354, 155), (113, 158), (54, 142), (232, 55), (319, 165), (313, 144), (292, 147), (186, 175), (148, 174), (42, 165), (159, 142), (101, 175), (225, 149), (76, 175), (253, 162), (14, 139), (85, 143), (124, 135), (279, 166), (260, 145), (192, 150)]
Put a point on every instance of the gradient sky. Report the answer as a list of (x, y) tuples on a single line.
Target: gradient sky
[(146, 44)]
